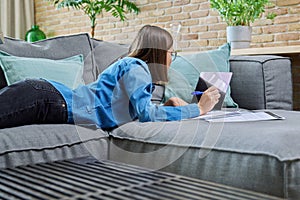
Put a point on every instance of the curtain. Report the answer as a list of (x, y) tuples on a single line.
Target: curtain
[(16, 17)]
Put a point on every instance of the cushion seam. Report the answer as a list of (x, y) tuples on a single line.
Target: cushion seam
[(213, 148), (51, 148), (257, 61)]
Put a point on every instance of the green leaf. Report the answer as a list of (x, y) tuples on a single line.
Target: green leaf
[(93, 8), (239, 12)]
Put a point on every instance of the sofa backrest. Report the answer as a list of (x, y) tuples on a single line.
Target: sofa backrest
[(258, 82), (98, 54), (55, 48), (105, 53), (262, 82)]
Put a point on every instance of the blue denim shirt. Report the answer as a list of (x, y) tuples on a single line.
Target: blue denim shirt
[(121, 94)]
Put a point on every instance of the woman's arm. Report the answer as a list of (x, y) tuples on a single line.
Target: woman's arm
[(138, 85), (175, 101)]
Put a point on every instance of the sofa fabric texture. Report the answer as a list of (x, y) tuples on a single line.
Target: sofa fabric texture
[(39, 143), (56, 48), (185, 70), (261, 156), (265, 79), (68, 71)]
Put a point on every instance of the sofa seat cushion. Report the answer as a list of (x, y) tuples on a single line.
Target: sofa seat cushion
[(44, 143), (55, 48), (249, 155)]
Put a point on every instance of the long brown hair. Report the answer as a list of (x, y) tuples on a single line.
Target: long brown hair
[(151, 45)]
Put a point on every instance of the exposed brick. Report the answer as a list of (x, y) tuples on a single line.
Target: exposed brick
[(276, 44), (197, 29), (209, 35), (190, 22), (104, 21), (275, 29), (149, 20), (294, 10), (135, 22), (183, 44), (294, 43), (155, 1), (164, 19), (286, 19), (199, 44), (256, 30), (215, 27), (262, 22), (109, 26), (190, 37), (199, 13), (211, 20), (222, 34), (287, 36), (216, 42), (262, 38), (288, 2), (148, 7), (121, 37), (114, 31), (181, 16), (121, 24), (205, 5), (198, 1), (156, 13), (277, 11), (173, 10), (213, 13), (196, 17), (190, 8), (164, 4), (142, 2), (256, 45), (181, 2)]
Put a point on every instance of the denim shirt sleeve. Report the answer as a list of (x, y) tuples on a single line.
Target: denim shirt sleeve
[(138, 87)]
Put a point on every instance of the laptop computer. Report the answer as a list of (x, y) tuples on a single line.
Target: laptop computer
[(220, 80)]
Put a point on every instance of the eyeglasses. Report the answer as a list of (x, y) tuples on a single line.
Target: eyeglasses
[(173, 54)]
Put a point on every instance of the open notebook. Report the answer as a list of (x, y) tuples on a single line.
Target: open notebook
[(220, 80)]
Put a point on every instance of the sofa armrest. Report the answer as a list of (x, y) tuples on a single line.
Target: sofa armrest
[(262, 82)]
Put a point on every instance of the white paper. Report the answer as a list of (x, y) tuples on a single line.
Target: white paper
[(216, 114), (238, 116)]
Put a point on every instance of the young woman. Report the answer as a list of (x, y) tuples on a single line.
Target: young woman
[(121, 93)]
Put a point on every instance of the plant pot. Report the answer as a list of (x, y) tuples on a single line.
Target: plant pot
[(239, 36)]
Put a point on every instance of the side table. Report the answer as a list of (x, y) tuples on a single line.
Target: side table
[(88, 178)]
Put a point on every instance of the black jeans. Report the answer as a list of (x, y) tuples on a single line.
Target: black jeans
[(33, 101)]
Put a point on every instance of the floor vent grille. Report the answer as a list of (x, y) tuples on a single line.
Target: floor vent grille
[(85, 179)]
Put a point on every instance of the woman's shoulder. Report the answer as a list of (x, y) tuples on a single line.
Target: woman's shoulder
[(129, 63), (133, 60)]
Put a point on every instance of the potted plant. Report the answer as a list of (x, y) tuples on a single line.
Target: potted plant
[(238, 14), (93, 8)]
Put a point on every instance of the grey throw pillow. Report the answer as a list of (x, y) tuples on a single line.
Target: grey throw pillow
[(55, 48)]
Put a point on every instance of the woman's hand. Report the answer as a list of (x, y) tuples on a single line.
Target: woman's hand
[(208, 100), (175, 101)]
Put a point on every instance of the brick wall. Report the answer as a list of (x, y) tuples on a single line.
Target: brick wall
[(201, 29)]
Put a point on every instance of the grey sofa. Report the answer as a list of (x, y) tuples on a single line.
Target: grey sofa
[(261, 156)]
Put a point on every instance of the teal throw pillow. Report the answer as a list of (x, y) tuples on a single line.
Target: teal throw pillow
[(185, 70), (68, 71)]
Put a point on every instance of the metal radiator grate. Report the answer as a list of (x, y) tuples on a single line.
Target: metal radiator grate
[(87, 178)]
